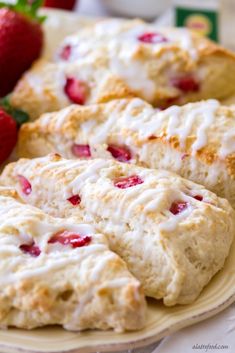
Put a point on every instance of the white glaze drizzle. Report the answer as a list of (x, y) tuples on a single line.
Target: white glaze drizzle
[(227, 144), (174, 220), (118, 36), (208, 113), (135, 76), (62, 115), (120, 44), (143, 196), (148, 122), (184, 37), (103, 130), (28, 221), (45, 120), (87, 127), (175, 127), (91, 175)]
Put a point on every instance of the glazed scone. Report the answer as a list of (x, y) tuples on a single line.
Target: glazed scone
[(120, 58), (56, 271), (42, 89), (196, 141), (173, 234)]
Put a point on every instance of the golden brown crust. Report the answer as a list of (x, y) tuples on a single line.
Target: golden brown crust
[(158, 246), (115, 67), (114, 88), (47, 287), (215, 140)]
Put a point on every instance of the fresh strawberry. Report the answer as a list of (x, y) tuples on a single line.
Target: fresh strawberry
[(8, 135), (21, 40), (62, 4), (10, 120)]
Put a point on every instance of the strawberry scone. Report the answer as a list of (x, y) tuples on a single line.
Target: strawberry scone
[(120, 58), (173, 234), (56, 271), (196, 141)]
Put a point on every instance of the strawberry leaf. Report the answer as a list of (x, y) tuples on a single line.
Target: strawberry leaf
[(18, 115), (28, 8)]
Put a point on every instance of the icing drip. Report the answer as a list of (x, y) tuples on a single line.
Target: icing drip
[(119, 42), (61, 117), (185, 40), (148, 122), (208, 113), (20, 224), (206, 110), (91, 175), (134, 75), (149, 196), (227, 144), (174, 220)]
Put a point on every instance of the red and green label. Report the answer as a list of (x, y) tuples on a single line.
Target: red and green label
[(205, 22)]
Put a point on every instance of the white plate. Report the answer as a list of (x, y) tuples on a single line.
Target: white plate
[(161, 321)]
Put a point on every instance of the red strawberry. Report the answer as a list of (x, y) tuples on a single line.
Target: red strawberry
[(21, 41), (30, 249), (186, 83), (121, 153), (10, 119), (81, 151), (124, 183), (178, 207), (70, 238), (62, 4), (26, 187), (8, 135), (152, 38), (74, 200), (66, 52), (76, 90), (198, 197)]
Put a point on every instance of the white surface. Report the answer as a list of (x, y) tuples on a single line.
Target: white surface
[(91, 8), (218, 331), (137, 8), (205, 4), (148, 8)]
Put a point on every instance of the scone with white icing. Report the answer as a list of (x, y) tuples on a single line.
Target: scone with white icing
[(56, 271), (196, 141), (173, 234), (118, 59)]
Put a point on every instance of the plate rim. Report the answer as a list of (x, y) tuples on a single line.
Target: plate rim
[(134, 344), (144, 338)]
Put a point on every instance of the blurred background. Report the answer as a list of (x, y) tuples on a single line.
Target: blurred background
[(212, 18)]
